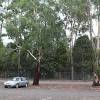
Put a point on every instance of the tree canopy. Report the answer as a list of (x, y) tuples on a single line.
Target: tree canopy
[(49, 29)]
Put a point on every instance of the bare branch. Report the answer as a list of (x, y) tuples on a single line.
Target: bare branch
[(32, 55)]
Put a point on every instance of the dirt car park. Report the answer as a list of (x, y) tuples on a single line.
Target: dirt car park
[(52, 90)]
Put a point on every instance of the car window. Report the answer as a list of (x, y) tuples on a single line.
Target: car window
[(16, 79), (23, 79)]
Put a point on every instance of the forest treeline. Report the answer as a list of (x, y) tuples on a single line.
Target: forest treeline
[(59, 33)]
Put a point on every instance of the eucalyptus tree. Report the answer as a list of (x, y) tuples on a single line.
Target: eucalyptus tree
[(75, 20), (90, 16), (35, 26), (22, 22), (3, 51), (1, 18), (13, 28), (96, 3)]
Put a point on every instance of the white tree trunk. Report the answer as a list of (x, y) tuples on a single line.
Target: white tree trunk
[(98, 38)]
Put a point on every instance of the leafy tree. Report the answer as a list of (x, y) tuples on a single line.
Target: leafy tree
[(75, 20), (96, 3), (35, 26), (3, 53), (83, 55)]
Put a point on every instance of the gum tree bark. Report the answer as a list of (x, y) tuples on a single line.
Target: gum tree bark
[(37, 69), (37, 74)]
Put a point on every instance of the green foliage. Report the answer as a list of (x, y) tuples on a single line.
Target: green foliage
[(3, 53), (36, 25), (96, 3), (75, 15), (98, 71), (83, 54)]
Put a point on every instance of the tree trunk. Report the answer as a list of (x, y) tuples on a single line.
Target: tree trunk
[(91, 31), (96, 80), (37, 74), (37, 69), (98, 37)]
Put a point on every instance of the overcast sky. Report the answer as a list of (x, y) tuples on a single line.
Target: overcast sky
[(6, 40)]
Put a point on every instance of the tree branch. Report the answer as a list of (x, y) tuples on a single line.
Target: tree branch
[(32, 55)]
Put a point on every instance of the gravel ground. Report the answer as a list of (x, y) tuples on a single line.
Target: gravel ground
[(52, 90)]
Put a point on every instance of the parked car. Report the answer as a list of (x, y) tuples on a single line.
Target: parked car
[(17, 82)]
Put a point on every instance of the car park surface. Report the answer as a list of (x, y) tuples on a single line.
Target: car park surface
[(52, 90)]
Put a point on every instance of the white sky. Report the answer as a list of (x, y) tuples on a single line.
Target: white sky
[(6, 40)]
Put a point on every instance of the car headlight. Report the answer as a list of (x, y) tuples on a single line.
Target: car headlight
[(9, 83), (4, 83)]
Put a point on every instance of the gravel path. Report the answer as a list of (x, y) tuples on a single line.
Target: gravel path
[(52, 90)]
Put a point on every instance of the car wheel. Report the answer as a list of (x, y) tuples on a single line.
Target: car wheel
[(5, 86), (17, 86)]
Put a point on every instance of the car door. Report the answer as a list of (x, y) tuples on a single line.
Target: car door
[(18, 80), (23, 82)]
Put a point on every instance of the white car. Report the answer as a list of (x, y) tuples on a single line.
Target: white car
[(16, 82)]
